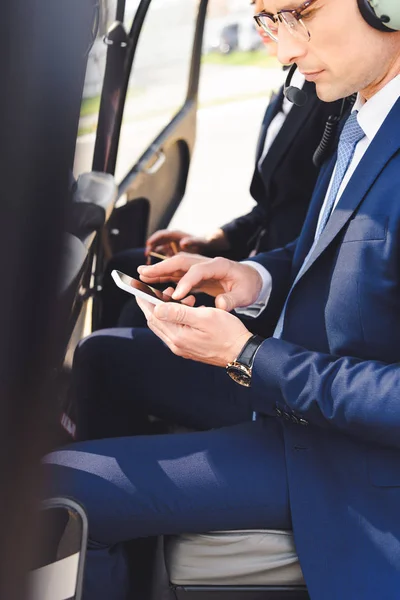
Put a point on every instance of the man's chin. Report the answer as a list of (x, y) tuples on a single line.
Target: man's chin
[(328, 93)]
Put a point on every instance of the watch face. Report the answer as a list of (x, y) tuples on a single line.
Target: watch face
[(240, 374)]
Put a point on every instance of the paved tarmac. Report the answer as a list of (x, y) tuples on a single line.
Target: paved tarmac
[(222, 166)]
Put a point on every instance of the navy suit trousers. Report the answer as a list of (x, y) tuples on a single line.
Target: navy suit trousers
[(229, 474)]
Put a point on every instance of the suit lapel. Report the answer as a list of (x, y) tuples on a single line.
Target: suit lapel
[(290, 129), (272, 110), (383, 147), (310, 224)]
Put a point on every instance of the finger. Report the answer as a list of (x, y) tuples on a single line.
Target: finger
[(215, 269), (186, 240), (189, 301), (157, 238), (175, 266), (237, 297), (226, 302), (164, 249), (181, 314), (164, 237), (191, 244), (169, 291), (159, 269)]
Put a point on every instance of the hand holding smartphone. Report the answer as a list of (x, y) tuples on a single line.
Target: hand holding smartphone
[(140, 289)]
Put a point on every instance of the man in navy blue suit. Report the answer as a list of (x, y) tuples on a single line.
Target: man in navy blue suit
[(325, 385)]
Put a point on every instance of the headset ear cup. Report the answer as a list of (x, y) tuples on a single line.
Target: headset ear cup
[(371, 17), (388, 12)]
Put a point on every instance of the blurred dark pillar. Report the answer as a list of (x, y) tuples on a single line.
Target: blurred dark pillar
[(42, 65)]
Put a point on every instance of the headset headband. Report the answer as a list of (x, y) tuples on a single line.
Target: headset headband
[(383, 15)]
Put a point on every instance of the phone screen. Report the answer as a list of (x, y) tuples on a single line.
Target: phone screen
[(146, 289)]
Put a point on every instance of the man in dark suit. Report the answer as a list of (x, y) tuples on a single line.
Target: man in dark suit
[(282, 184), (325, 385)]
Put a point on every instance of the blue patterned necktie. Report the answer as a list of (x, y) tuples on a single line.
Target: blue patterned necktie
[(349, 138)]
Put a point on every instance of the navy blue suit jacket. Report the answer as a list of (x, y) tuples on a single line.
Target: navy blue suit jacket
[(337, 367)]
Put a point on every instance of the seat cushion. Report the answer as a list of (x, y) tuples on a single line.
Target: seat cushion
[(251, 557)]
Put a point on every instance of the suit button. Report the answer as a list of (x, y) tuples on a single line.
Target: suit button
[(278, 412), (286, 416), (303, 422), (295, 420)]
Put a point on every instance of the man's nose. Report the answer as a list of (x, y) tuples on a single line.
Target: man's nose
[(290, 48)]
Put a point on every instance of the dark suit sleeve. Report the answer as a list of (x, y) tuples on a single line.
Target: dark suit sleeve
[(357, 397), (243, 231)]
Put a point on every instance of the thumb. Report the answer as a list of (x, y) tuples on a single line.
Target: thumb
[(188, 242), (227, 302), (173, 312), (181, 314), (231, 300)]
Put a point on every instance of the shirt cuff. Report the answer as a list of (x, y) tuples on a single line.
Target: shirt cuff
[(255, 310)]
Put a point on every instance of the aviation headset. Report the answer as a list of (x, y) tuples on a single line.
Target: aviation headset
[(383, 15)]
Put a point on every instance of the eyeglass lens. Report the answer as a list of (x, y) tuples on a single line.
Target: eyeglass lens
[(270, 26)]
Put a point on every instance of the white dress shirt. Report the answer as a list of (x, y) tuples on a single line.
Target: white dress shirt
[(371, 116)]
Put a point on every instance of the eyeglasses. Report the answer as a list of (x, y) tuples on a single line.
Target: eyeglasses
[(292, 19)]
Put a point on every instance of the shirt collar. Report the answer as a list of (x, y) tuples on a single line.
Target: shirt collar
[(372, 114)]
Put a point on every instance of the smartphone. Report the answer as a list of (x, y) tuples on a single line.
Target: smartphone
[(139, 289)]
